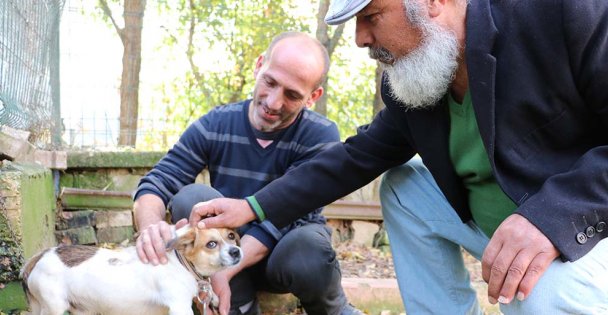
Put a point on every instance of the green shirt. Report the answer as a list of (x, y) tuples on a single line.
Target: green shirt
[(489, 204)]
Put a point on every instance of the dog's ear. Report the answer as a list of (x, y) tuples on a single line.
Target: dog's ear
[(184, 238)]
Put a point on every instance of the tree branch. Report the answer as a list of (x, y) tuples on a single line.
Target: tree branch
[(335, 39), (323, 29), (108, 12), (190, 50)]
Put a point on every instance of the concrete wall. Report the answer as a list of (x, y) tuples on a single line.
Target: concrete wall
[(113, 171), (27, 224)]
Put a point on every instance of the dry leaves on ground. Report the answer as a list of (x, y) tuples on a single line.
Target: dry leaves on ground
[(360, 261)]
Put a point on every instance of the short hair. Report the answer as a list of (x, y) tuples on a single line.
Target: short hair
[(320, 48)]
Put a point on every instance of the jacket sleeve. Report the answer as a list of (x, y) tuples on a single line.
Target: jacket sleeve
[(571, 208), (335, 172)]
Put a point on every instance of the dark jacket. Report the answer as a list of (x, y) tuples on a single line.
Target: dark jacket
[(538, 76)]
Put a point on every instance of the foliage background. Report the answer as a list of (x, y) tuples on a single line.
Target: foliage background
[(195, 55)]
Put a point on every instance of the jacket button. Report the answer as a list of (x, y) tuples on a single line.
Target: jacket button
[(600, 226), (581, 238), (590, 231)]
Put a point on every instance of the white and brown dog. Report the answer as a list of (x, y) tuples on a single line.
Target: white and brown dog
[(90, 280)]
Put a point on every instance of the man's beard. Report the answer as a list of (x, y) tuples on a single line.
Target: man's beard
[(257, 121), (421, 78)]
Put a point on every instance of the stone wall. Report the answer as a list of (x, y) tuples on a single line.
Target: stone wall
[(107, 171), (120, 172), (96, 212), (95, 226), (27, 224)]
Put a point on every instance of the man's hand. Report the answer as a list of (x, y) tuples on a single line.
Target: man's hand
[(220, 213), (220, 282), (151, 243), (516, 257), (253, 252)]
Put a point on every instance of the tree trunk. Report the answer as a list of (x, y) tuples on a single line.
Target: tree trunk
[(378, 104), (330, 44), (130, 35), (131, 65)]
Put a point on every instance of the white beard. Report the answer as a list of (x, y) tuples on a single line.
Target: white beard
[(422, 77)]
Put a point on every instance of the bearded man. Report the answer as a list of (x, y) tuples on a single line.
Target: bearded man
[(506, 105)]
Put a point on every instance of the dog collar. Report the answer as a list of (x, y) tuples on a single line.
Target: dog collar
[(190, 267), (205, 290)]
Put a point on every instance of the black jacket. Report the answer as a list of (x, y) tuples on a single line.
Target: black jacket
[(538, 76)]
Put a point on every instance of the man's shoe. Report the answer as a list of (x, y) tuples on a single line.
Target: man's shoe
[(350, 309)]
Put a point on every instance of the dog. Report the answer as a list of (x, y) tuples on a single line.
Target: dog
[(90, 280)]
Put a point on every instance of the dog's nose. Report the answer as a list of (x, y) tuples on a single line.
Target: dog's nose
[(234, 252)]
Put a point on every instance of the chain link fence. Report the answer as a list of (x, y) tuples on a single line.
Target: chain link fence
[(29, 68)]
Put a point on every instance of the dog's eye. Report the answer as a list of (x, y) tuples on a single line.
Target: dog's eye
[(212, 245), (231, 236)]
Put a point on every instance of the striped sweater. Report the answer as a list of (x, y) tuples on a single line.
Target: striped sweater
[(224, 142)]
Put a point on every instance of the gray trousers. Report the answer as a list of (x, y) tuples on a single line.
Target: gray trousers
[(302, 263)]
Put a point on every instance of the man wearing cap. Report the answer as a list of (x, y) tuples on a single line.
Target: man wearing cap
[(506, 105)]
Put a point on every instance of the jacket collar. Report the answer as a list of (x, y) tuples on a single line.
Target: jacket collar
[(481, 34)]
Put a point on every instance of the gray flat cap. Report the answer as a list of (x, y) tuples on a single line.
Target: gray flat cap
[(341, 10)]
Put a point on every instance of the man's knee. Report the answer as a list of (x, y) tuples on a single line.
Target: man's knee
[(398, 176), (542, 302), (568, 288), (313, 244), (181, 204), (301, 253)]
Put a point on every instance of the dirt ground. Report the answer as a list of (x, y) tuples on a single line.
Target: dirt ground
[(359, 261)]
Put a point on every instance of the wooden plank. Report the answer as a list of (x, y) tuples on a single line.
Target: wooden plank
[(353, 210), (76, 198)]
